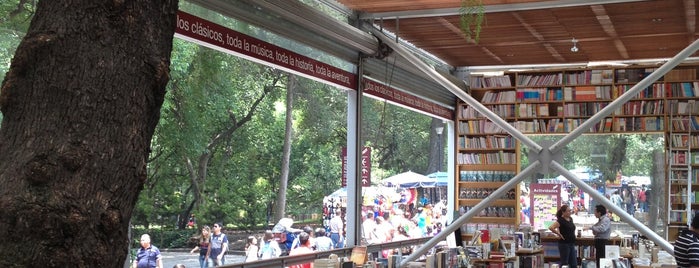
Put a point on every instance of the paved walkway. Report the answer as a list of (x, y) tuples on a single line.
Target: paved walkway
[(175, 256)]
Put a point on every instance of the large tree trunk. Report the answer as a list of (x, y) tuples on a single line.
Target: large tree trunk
[(80, 103), (280, 206)]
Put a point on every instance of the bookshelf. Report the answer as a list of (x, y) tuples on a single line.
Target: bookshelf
[(487, 158), (682, 164), (558, 101)]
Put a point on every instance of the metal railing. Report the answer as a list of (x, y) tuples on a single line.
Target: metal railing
[(343, 252)]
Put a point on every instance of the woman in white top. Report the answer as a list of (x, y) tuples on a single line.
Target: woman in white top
[(251, 249)]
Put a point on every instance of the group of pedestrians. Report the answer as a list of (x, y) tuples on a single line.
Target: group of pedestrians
[(212, 246), (305, 242)]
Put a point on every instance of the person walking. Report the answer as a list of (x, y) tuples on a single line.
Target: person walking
[(322, 242), (628, 201), (642, 199), (618, 202), (687, 245), (269, 248), (602, 229), (218, 246), (565, 229), (303, 248), (148, 256), (336, 227), (251, 249), (204, 240)]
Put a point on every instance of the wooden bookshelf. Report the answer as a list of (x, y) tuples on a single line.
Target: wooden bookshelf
[(558, 101), (487, 157)]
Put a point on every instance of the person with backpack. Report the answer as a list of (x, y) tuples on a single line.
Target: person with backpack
[(218, 246), (269, 247)]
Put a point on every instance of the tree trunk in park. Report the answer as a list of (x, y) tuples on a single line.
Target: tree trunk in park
[(280, 205), (436, 145), (80, 103)]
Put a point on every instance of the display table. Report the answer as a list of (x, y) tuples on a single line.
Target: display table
[(530, 258), (494, 263)]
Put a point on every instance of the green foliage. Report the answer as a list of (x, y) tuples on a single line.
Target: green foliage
[(14, 22), (472, 15), (165, 238), (628, 153)]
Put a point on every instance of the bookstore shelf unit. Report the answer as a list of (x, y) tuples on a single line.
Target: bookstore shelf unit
[(487, 159), (682, 164), (558, 101)]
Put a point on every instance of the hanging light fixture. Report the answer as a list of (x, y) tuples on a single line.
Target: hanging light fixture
[(575, 46)]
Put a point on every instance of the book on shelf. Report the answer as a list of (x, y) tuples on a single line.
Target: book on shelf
[(583, 93), (568, 93)]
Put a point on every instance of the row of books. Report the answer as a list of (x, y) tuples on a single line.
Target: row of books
[(500, 96), (685, 141), (500, 157), (681, 196), (585, 77), (488, 142), (479, 127), (590, 77), (679, 177), (645, 107), (684, 124), (485, 175), (685, 89), (549, 79), (532, 110), (682, 157), (678, 157), (490, 81), (541, 126), (557, 125), (681, 74), (584, 251), (678, 215), (591, 93), (494, 211), (678, 107), (583, 108), (632, 75), (578, 109)]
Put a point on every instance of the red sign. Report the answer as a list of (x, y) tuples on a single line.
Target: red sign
[(405, 99), (366, 166), (193, 27)]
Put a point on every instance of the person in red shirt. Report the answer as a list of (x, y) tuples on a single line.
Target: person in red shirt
[(303, 248), (642, 199)]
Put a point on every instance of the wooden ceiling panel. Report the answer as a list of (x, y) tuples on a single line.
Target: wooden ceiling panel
[(375, 6), (619, 31)]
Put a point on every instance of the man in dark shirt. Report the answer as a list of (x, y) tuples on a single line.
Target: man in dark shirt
[(687, 245), (148, 256)]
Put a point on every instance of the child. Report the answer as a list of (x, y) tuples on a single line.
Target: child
[(251, 249)]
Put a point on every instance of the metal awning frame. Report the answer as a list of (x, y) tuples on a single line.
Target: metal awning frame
[(544, 161)]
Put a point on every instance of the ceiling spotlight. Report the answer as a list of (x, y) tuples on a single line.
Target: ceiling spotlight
[(575, 45)]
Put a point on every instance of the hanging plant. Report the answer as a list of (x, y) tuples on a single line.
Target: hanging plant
[(472, 16)]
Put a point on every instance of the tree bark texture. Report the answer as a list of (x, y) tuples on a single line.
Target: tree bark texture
[(80, 103)]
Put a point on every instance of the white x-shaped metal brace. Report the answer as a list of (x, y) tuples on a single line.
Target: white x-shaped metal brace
[(544, 160)]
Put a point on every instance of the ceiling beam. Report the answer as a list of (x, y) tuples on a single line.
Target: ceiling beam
[(439, 12)]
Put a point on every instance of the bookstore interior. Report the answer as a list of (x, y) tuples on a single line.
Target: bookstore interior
[(544, 104), (543, 94)]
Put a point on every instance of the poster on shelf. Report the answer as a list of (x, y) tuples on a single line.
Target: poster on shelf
[(545, 201)]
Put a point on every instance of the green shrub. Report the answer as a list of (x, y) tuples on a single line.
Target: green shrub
[(165, 238)]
